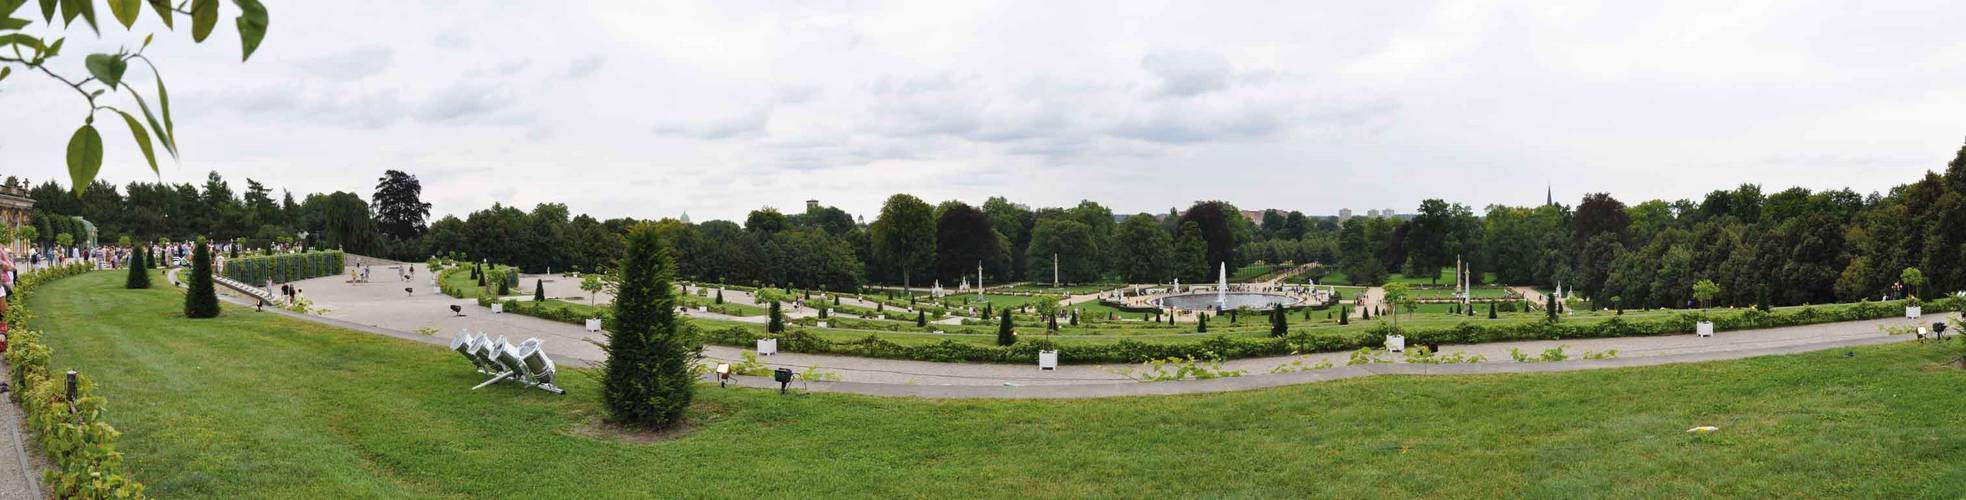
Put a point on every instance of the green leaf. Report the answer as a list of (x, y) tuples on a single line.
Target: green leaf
[(163, 9), (84, 157), (143, 140), (8, 23), (164, 107), (69, 10), (48, 11), (21, 39), (204, 17), (54, 49), (88, 10), (252, 26), (108, 68), (126, 11), (163, 135), (4, 71)]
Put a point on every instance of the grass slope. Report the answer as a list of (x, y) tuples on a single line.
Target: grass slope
[(255, 405)]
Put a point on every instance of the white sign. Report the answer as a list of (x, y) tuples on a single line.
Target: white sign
[(767, 347)]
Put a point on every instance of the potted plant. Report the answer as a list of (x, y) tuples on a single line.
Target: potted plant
[(1914, 280), (1704, 291)]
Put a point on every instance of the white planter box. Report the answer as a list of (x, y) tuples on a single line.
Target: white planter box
[(1047, 360), (498, 308), (437, 290), (1396, 343), (1913, 312), (593, 325), (702, 308), (822, 324), (1703, 328), (767, 347)]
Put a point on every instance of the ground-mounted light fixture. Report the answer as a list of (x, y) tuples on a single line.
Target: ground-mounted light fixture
[(783, 376)]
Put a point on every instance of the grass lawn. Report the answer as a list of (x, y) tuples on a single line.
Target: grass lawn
[(1249, 273), (468, 287), (256, 405), (1480, 292)]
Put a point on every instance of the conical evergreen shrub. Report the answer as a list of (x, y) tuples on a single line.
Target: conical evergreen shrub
[(201, 300), (647, 380)]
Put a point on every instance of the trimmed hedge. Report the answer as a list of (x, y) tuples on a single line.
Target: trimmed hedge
[(79, 441), (286, 267)]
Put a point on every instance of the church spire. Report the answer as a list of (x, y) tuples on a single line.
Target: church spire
[(1549, 196)]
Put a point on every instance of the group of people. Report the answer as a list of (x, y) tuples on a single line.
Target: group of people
[(360, 273)]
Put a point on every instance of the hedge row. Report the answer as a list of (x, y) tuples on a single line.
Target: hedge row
[(282, 268), (78, 440)]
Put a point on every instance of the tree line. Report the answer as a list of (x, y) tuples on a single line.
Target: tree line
[(1794, 246)]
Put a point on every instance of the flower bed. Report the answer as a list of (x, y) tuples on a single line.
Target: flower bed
[(78, 440)]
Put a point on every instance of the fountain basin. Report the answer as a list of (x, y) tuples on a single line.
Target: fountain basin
[(1231, 300)]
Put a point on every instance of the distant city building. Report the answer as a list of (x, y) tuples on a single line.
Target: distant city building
[(685, 218), (812, 206), (1371, 212), (1344, 214), (1254, 216)]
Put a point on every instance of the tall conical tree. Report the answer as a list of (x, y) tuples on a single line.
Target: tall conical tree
[(1201, 322), (1344, 316), (1005, 336), (139, 274), (777, 320), (921, 318), (1279, 324), (646, 380), (539, 290), (201, 301), (1550, 310)]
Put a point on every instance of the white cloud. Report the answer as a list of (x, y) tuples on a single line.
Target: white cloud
[(651, 109)]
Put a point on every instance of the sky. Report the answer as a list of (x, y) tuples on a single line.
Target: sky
[(653, 109)]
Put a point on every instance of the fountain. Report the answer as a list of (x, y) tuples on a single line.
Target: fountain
[(1222, 287)]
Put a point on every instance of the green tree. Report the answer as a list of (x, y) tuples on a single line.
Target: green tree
[(647, 379), (1397, 295), (921, 318), (1704, 291), (903, 237), (1190, 256), (399, 207), (1145, 251), (1279, 325), (1071, 243), (139, 271), (1913, 280), (539, 290), (1005, 333), (1201, 322), (200, 299), (776, 321), (591, 284), (965, 239)]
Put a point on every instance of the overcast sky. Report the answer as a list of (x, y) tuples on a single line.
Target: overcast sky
[(650, 109)]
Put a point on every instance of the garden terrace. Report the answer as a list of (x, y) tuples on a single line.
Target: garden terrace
[(360, 415)]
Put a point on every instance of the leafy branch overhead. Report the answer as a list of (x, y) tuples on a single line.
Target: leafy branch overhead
[(107, 72)]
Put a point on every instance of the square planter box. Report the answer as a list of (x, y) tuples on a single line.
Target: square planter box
[(1047, 360), (498, 308), (822, 324), (767, 347), (1396, 343), (1913, 312), (593, 325), (1703, 328)]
